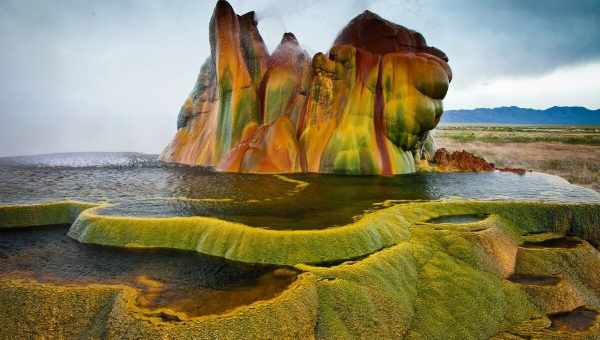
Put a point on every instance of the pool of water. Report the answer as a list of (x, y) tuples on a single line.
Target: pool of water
[(457, 219), (580, 319), (563, 242), (29, 181), (141, 186), (195, 284), (186, 282), (536, 280)]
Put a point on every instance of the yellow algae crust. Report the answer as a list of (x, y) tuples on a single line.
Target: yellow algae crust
[(33, 309), (446, 283), (374, 231), (440, 281), (30, 215), (239, 242)]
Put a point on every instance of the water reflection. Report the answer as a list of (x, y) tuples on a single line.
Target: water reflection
[(261, 200), (336, 200), (37, 184)]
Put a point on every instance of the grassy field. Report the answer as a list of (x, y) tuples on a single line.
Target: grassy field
[(570, 152)]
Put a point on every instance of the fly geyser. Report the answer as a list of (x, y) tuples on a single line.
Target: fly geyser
[(363, 108)]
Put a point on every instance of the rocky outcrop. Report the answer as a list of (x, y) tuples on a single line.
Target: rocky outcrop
[(460, 161), (362, 108), (463, 161)]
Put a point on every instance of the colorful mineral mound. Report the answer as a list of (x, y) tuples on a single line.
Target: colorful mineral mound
[(364, 108)]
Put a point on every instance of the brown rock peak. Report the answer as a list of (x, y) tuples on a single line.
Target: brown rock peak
[(249, 17), (377, 35), (288, 52), (289, 37), (223, 6)]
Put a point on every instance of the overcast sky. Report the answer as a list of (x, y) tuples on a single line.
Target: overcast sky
[(110, 75)]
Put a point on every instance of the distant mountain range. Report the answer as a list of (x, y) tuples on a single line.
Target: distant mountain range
[(557, 115)]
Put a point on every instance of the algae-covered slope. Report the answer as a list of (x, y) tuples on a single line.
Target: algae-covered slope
[(362, 108), (252, 244), (168, 283), (29, 215), (304, 268), (462, 270), (239, 242), (108, 312)]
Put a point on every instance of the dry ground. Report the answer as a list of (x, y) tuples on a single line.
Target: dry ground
[(578, 163)]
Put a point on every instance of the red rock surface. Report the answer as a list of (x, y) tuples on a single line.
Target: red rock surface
[(460, 161)]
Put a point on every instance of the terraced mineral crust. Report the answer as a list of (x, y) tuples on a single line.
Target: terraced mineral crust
[(172, 282), (482, 278)]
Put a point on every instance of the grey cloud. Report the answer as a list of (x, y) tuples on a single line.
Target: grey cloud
[(486, 39)]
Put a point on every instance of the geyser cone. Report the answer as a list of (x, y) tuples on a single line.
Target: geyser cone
[(362, 109)]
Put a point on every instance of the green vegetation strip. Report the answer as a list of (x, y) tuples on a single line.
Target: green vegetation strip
[(521, 135), (472, 137)]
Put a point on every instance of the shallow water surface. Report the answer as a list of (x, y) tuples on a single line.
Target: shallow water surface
[(186, 282), (579, 319), (191, 283), (536, 280), (562, 242), (457, 219), (309, 201)]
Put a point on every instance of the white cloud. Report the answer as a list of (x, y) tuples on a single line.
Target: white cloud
[(566, 86)]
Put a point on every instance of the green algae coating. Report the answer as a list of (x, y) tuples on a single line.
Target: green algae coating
[(373, 232), (435, 282), (109, 313), (242, 243), (439, 284), (30, 215)]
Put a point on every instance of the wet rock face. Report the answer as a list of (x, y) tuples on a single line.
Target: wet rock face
[(362, 108)]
